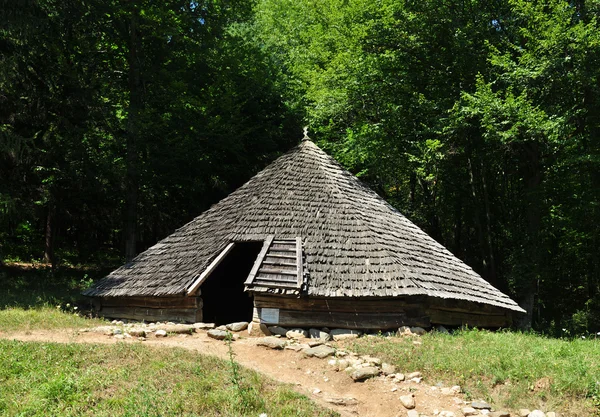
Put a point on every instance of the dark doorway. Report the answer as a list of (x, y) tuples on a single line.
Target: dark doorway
[(223, 296)]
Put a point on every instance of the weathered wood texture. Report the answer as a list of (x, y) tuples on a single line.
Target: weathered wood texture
[(384, 313), (177, 309)]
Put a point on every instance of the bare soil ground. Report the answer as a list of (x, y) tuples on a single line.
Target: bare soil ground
[(377, 397)]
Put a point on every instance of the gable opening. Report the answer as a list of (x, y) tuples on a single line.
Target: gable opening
[(223, 296)]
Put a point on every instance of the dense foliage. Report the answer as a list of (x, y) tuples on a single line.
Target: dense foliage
[(478, 120)]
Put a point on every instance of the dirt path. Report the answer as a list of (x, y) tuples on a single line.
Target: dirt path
[(377, 397)]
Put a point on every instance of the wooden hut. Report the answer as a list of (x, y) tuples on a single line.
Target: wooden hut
[(303, 243)]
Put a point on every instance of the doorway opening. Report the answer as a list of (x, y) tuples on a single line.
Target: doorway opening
[(223, 296)]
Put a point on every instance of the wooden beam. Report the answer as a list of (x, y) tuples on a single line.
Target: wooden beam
[(259, 259), (196, 284)]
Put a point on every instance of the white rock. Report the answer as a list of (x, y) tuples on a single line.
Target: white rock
[(316, 391), (523, 412), (412, 413), (297, 334), (342, 334), (119, 336), (400, 377), (550, 414), (404, 331), (238, 326), (160, 333), (271, 342), (469, 411), (537, 413), (408, 401), (217, 334), (446, 413), (413, 375), (203, 326), (456, 389), (388, 369)]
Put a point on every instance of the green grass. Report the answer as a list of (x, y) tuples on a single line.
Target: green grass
[(502, 367), (35, 297), (45, 379), (42, 318)]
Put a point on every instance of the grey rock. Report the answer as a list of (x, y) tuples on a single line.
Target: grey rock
[(499, 414), (388, 369), (418, 330), (537, 413), (218, 334), (272, 342), (160, 333), (296, 347), (442, 329), (364, 373), (342, 401), (319, 334), (178, 328), (314, 343), (281, 331), (221, 327), (117, 331), (469, 411), (238, 326), (372, 360), (481, 405), (296, 334), (203, 326), (408, 401), (137, 332), (320, 352)]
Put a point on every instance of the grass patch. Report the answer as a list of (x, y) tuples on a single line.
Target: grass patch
[(35, 297), (42, 318), (40, 379), (511, 370)]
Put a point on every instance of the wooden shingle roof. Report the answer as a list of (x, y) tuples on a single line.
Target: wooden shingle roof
[(354, 243)]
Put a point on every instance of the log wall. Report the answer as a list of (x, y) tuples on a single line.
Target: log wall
[(377, 314), (176, 309)]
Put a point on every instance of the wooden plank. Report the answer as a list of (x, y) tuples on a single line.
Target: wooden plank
[(196, 284), (447, 318), (150, 302), (278, 271), (338, 304), (374, 321), (188, 315), (259, 259), (299, 271)]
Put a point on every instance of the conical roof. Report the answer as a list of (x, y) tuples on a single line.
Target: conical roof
[(355, 244)]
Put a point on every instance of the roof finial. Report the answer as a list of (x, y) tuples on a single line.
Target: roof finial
[(305, 133)]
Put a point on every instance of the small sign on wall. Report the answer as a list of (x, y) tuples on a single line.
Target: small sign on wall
[(269, 315)]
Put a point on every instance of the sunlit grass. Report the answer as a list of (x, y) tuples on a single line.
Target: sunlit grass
[(45, 379), (512, 370)]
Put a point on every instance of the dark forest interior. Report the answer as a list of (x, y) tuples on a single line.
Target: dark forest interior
[(223, 296)]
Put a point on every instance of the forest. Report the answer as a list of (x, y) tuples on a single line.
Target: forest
[(478, 120)]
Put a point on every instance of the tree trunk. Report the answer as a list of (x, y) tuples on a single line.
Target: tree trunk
[(135, 105), (50, 233), (533, 180)]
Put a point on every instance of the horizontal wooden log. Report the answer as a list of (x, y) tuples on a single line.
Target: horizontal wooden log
[(345, 320), (152, 302), (338, 304), (454, 318), (189, 315)]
